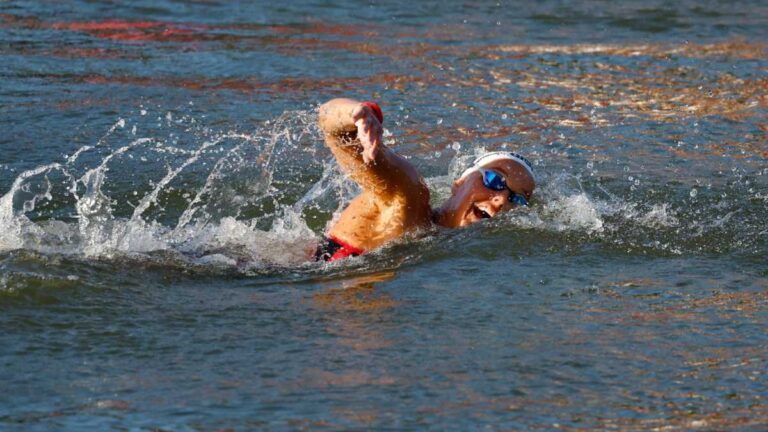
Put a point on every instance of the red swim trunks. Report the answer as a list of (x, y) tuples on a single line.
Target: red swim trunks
[(331, 249)]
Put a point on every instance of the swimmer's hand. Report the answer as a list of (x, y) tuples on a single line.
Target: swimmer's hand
[(369, 132), (354, 128)]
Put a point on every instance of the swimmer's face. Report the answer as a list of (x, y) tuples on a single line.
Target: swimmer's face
[(472, 201)]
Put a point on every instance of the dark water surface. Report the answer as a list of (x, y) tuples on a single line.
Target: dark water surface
[(163, 180)]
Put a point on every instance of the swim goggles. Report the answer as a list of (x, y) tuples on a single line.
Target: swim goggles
[(495, 181)]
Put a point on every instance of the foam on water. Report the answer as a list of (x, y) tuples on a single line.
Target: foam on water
[(261, 199), (99, 226)]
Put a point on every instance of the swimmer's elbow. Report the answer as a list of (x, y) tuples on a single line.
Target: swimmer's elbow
[(335, 117)]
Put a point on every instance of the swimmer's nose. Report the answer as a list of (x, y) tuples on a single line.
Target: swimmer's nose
[(498, 201)]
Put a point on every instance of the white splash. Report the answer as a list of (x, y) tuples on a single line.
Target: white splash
[(660, 215), (209, 229), (574, 212), (14, 225)]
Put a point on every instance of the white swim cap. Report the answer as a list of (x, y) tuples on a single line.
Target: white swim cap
[(500, 155)]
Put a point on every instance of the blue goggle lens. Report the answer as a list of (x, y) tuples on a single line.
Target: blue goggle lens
[(493, 180), (518, 199)]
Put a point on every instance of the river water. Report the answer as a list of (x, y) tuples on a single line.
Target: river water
[(163, 180)]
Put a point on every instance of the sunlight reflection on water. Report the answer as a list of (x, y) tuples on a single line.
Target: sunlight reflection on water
[(163, 180)]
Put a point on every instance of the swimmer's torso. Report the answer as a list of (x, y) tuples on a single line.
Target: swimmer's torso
[(394, 200), (370, 221)]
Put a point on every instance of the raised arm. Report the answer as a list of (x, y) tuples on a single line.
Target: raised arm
[(353, 132)]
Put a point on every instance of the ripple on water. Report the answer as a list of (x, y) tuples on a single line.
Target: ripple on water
[(163, 183)]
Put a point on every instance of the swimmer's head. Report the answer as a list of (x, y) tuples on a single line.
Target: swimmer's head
[(500, 155), (495, 182)]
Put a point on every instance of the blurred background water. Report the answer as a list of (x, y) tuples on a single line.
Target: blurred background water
[(163, 182)]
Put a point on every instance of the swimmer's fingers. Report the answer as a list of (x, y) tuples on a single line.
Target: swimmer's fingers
[(361, 111), (376, 135), (369, 132), (370, 151), (365, 112)]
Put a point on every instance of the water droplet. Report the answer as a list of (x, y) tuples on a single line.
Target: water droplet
[(504, 116), (694, 192), (143, 112), (456, 146), (439, 121)]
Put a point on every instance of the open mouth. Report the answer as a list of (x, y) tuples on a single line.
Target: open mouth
[(480, 213)]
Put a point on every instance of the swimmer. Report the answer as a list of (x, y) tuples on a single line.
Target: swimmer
[(394, 199)]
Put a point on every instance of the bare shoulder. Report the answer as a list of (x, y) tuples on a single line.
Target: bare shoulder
[(406, 182)]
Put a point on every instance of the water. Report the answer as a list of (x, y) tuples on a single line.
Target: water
[(163, 181)]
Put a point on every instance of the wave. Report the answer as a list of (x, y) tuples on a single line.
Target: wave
[(251, 202)]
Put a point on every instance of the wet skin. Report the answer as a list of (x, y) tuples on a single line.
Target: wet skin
[(471, 201), (395, 199)]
